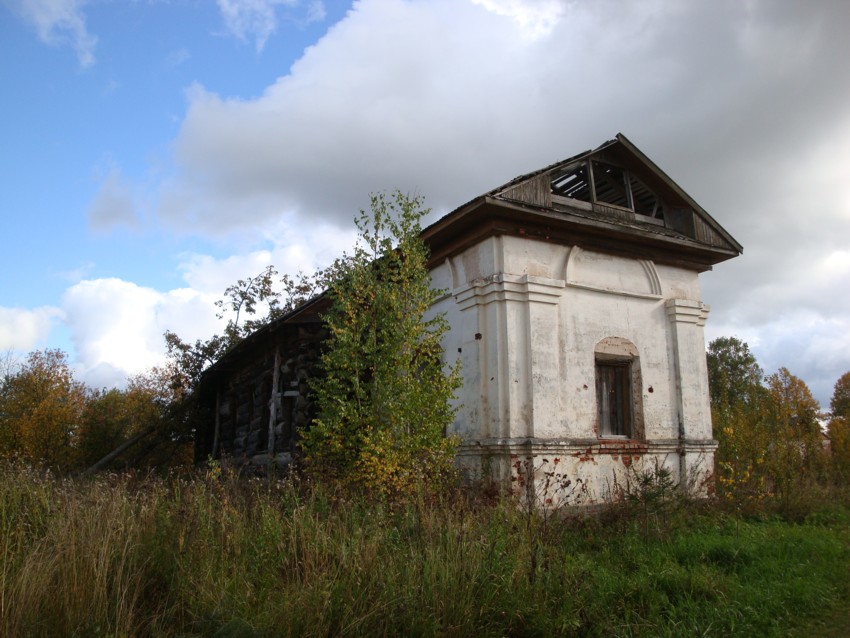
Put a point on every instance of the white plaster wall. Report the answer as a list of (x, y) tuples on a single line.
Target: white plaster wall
[(592, 316), (526, 316)]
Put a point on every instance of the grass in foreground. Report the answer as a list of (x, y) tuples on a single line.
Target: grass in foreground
[(183, 557)]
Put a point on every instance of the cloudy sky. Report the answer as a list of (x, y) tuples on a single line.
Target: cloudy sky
[(152, 152)]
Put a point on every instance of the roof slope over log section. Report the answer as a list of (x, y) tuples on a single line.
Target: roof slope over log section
[(612, 199)]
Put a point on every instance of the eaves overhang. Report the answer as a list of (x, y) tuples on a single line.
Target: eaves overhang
[(488, 216)]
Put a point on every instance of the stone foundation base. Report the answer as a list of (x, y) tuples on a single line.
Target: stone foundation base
[(554, 473)]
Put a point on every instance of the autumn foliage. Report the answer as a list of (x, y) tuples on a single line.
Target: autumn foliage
[(41, 410), (49, 419), (769, 428)]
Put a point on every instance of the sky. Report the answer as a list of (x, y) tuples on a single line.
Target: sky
[(153, 152)]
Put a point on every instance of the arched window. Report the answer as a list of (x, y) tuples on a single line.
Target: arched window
[(618, 389)]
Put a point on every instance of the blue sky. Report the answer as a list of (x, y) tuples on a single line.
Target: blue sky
[(72, 126), (155, 151)]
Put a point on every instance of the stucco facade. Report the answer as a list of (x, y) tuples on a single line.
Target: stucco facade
[(530, 319), (575, 309)]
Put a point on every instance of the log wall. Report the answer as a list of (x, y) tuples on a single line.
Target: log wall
[(261, 404)]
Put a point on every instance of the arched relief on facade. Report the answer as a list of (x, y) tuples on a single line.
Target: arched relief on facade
[(652, 276), (452, 266), (619, 389), (563, 268), (482, 261), (499, 254), (616, 347), (569, 266), (612, 274)]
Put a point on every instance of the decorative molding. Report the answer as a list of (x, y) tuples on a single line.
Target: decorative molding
[(687, 311), (652, 276), (582, 447), (450, 262), (610, 291), (562, 269), (569, 265), (506, 287)]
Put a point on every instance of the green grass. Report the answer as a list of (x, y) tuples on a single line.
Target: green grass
[(117, 556)]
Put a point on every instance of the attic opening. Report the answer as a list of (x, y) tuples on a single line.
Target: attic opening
[(600, 182)]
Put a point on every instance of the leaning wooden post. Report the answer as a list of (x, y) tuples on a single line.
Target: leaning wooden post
[(274, 400), (114, 454)]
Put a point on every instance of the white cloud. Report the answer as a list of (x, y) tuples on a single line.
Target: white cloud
[(536, 18), (443, 98), (287, 251), (258, 19), (315, 11), (178, 57), (373, 106), (60, 22), (117, 326), (76, 274), (22, 329)]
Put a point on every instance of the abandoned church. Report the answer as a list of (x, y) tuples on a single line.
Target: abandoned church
[(574, 306)]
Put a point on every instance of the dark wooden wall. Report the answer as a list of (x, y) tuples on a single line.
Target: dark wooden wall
[(257, 399)]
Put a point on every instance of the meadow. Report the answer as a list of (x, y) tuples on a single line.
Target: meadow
[(211, 554)]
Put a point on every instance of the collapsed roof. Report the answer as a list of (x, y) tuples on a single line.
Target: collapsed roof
[(612, 198)]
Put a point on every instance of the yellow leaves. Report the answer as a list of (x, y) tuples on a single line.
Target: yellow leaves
[(48, 418), (40, 410)]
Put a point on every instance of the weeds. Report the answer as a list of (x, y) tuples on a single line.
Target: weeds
[(129, 556)]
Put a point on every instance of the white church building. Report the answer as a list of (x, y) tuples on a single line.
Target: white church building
[(576, 312)]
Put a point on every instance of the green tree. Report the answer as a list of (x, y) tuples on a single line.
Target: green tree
[(739, 418), (839, 428), (243, 297), (839, 405), (792, 406), (384, 395), (734, 376), (795, 457)]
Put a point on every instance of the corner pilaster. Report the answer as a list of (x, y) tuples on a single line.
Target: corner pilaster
[(510, 325), (687, 318)]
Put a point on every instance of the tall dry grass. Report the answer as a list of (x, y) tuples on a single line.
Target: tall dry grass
[(218, 555), (72, 559)]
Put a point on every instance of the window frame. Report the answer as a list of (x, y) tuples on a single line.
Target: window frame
[(615, 419)]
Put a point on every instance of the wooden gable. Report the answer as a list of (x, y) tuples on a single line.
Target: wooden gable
[(613, 198)]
